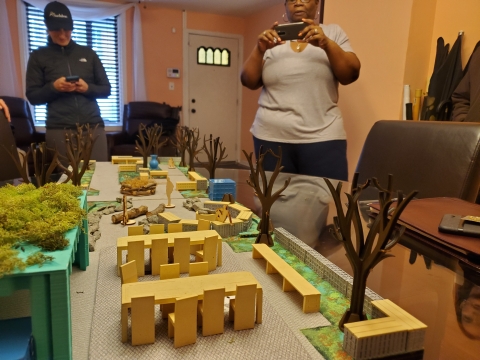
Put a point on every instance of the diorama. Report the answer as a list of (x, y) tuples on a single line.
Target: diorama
[(173, 251)]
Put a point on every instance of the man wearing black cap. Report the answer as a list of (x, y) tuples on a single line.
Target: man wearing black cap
[(69, 78)]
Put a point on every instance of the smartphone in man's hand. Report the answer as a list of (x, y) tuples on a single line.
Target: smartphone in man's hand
[(72, 78), (290, 31)]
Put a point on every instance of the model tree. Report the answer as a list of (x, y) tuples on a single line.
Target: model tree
[(192, 146), (263, 189), (213, 156), (364, 254), (79, 147), (181, 143), (148, 141)]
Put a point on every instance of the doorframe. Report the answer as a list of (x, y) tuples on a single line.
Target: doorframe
[(186, 97)]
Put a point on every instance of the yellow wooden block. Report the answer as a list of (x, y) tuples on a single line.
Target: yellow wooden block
[(175, 228), (159, 254), (135, 251), (242, 308), (128, 272), (186, 185), (198, 268), (154, 173), (210, 310), (168, 217), (182, 324), (143, 320), (209, 217), (245, 215), (291, 278), (181, 253), (135, 230), (127, 167), (157, 229)]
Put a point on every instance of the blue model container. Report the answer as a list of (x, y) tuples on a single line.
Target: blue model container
[(219, 187), (16, 341)]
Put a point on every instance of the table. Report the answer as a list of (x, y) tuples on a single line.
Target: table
[(166, 291), (196, 238), (421, 279), (49, 287)]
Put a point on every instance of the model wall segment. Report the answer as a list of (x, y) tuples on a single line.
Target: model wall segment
[(325, 269), (397, 332), (228, 229)]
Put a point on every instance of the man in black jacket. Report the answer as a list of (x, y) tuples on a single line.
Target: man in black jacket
[(69, 101)]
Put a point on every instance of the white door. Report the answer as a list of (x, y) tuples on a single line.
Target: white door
[(213, 91)]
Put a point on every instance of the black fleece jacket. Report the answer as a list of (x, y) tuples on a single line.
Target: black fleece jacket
[(66, 109)]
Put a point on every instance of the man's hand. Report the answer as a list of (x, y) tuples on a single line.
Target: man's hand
[(4, 107), (81, 86), (64, 86)]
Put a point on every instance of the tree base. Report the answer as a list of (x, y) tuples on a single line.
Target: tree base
[(264, 239), (350, 317)]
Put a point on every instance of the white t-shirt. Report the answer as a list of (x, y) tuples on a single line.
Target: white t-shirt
[(298, 102)]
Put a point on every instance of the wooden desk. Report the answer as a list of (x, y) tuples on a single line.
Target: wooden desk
[(196, 238), (49, 287), (166, 291)]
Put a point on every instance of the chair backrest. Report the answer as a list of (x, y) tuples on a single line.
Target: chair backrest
[(22, 120), (245, 300), (175, 227), (181, 253), (143, 320), (169, 271), (157, 229), (136, 251), (210, 252), (213, 302), (135, 230), (149, 113), (198, 268), (7, 147), (436, 158), (203, 225), (158, 254), (186, 310), (128, 272)]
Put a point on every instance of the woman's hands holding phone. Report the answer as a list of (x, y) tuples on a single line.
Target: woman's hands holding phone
[(268, 39), (313, 34)]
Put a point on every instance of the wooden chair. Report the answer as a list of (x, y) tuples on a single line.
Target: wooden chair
[(198, 268), (128, 272), (135, 230), (143, 320), (242, 308), (175, 227), (182, 324), (210, 312), (136, 251), (157, 229), (181, 253), (209, 252), (168, 271), (158, 254)]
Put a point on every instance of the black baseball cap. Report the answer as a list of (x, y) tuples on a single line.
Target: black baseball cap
[(57, 16)]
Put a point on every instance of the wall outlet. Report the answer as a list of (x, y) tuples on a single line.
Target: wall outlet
[(171, 85)]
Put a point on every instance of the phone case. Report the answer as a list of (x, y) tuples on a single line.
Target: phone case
[(290, 31), (453, 224)]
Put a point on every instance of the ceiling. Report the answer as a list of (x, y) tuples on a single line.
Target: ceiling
[(239, 8)]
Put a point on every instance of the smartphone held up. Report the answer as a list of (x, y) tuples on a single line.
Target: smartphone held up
[(290, 31)]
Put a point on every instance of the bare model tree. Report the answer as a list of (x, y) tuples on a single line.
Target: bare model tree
[(79, 147), (181, 143), (192, 144), (264, 191), (212, 154), (20, 164), (148, 142), (366, 253)]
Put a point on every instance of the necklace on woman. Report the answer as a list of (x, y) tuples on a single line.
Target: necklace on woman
[(298, 45)]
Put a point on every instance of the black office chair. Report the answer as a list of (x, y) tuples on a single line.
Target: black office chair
[(439, 159), (436, 158)]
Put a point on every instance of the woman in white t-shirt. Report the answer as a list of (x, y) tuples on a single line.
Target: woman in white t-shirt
[(298, 104)]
